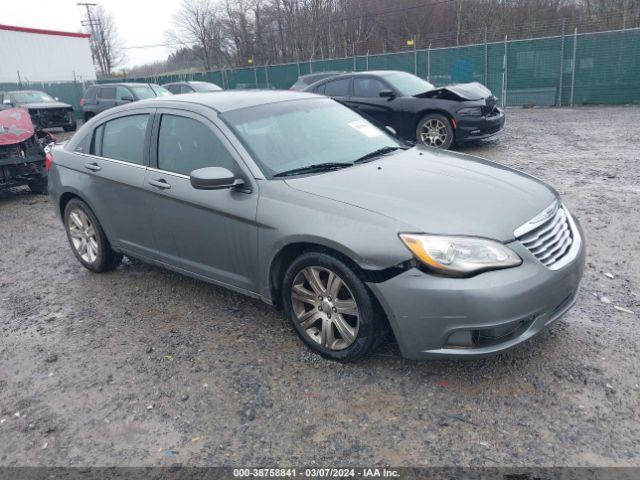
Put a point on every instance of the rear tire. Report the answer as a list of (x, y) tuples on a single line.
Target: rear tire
[(87, 239), (435, 130), (334, 313)]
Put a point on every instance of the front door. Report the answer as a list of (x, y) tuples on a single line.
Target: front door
[(211, 233), (367, 100)]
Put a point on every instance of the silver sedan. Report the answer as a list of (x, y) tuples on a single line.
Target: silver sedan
[(299, 201)]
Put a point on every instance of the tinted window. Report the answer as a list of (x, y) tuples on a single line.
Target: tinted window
[(173, 88), (185, 145), (108, 93), (319, 89), (186, 89), (337, 88), (367, 87), (123, 138)]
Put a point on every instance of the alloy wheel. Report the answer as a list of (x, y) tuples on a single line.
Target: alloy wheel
[(433, 133), (325, 308), (83, 235)]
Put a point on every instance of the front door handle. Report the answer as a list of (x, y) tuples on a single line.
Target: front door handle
[(94, 167), (161, 184)]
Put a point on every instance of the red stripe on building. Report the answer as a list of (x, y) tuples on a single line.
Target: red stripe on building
[(44, 32)]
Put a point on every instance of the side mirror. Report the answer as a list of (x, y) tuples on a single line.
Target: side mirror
[(127, 98), (214, 178), (387, 94)]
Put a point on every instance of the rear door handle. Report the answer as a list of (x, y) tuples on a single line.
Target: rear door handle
[(94, 167), (161, 184)]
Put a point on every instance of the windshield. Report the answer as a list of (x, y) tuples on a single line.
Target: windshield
[(160, 91), (205, 87), (143, 91), (297, 134), (407, 84), (31, 97)]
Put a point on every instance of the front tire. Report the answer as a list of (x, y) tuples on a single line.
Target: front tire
[(435, 130), (330, 308), (87, 239)]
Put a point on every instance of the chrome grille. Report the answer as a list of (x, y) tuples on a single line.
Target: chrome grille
[(551, 240)]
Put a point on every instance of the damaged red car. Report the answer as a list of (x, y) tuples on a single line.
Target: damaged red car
[(24, 155)]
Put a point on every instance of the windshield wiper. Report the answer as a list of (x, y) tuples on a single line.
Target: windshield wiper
[(377, 153), (318, 167)]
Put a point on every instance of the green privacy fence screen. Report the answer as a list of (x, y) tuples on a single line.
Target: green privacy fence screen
[(573, 69)]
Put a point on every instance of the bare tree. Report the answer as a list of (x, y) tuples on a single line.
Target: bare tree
[(106, 46)]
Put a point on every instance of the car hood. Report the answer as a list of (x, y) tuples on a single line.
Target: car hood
[(465, 91), (45, 105), (437, 192), (15, 126)]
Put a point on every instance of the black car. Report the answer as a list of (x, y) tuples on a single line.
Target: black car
[(99, 98), (45, 111), (415, 109), (191, 87), (305, 80)]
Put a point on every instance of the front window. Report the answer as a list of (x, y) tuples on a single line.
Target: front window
[(32, 97), (407, 84), (185, 145), (291, 135)]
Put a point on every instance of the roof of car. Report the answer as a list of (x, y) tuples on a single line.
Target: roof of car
[(228, 100), (123, 84), (24, 91)]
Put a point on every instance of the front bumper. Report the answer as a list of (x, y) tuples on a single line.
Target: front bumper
[(440, 317), (477, 128)]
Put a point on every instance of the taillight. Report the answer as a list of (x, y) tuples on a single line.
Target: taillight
[(82, 102), (48, 158)]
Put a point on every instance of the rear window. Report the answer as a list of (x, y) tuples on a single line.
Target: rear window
[(122, 139), (108, 93), (337, 88)]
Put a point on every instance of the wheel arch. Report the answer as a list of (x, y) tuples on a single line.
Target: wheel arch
[(67, 196), (287, 253)]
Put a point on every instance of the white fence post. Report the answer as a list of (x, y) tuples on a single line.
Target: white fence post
[(561, 80)]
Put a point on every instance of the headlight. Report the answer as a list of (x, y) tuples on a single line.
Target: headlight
[(455, 255), (471, 111)]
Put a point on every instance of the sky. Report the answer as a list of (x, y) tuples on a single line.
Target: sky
[(140, 22)]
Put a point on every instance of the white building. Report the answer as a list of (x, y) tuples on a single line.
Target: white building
[(35, 55)]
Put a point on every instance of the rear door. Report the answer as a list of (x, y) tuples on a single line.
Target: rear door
[(115, 186), (210, 233)]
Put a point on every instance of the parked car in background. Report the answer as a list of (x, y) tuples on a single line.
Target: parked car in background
[(101, 97), (415, 109), (298, 200), (45, 111), (305, 80), (191, 87), (23, 156)]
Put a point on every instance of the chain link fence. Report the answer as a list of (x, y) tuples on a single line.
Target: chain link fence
[(563, 70)]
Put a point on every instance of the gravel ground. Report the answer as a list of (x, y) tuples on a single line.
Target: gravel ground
[(142, 366)]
